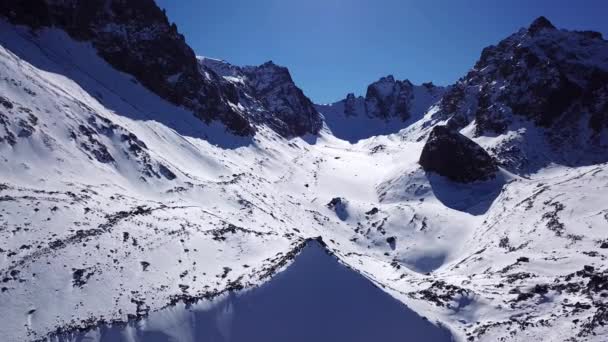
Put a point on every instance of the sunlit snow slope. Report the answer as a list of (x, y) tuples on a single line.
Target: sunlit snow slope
[(117, 206)]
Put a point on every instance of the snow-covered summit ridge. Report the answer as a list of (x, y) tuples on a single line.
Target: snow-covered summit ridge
[(389, 105), (271, 96), (136, 37), (539, 83)]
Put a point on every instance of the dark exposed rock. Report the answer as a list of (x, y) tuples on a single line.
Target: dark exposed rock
[(452, 155), (388, 98), (6, 103), (220, 234), (166, 172), (524, 296), (429, 85), (556, 79), (441, 293), (589, 282), (136, 37), (340, 206), (292, 113), (392, 242), (270, 97), (81, 276), (373, 211), (514, 277), (350, 104), (553, 222), (91, 145), (539, 24), (377, 149), (336, 201), (523, 259), (6, 135)]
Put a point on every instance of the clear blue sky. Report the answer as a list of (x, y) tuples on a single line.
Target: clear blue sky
[(333, 47)]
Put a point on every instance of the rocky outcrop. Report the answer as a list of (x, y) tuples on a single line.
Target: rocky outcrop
[(539, 24), (388, 98), (291, 112), (389, 106), (136, 37), (555, 79), (270, 96), (540, 73), (452, 155), (350, 105)]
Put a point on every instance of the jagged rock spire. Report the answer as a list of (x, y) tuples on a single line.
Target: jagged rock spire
[(539, 24)]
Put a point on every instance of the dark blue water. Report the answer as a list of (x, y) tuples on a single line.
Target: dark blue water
[(315, 299)]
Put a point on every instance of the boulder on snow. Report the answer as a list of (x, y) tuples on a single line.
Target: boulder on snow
[(339, 205), (452, 155)]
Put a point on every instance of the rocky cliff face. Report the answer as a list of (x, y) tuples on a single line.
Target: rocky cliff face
[(557, 80), (136, 37), (270, 96), (388, 106), (292, 112), (390, 99)]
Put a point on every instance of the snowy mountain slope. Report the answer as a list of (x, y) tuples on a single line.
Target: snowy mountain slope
[(388, 106), (540, 84), (95, 231), (136, 37), (89, 218)]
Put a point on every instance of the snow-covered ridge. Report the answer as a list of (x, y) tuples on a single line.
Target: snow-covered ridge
[(537, 97), (272, 96), (136, 37), (388, 106)]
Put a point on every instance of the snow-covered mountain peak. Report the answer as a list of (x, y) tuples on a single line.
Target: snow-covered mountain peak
[(389, 105), (270, 96), (136, 37), (550, 86), (268, 75), (386, 80)]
